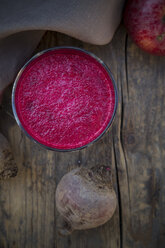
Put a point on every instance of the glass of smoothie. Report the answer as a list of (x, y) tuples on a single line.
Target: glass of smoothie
[(64, 98)]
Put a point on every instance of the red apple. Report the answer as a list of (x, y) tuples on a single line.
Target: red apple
[(145, 22)]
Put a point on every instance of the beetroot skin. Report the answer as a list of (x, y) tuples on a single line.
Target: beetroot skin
[(85, 198), (145, 22), (8, 166)]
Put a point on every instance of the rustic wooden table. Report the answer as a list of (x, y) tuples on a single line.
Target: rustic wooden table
[(134, 147)]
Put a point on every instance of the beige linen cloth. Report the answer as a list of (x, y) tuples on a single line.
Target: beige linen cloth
[(23, 22)]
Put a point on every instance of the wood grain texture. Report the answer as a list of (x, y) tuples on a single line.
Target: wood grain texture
[(134, 148)]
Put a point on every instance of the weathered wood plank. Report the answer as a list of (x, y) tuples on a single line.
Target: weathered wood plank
[(33, 220), (143, 128)]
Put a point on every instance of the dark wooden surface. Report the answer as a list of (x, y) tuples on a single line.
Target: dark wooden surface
[(134, 147)]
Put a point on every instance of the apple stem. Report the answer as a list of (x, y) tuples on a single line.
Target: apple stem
[(161, 36), (163, 19)]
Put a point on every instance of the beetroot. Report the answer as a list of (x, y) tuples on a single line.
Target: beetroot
[(85, 198), (8, 166)]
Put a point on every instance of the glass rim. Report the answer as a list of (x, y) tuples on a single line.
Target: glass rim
[(36, 56)]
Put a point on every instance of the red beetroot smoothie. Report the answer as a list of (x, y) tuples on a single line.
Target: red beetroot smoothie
[(64, 99)]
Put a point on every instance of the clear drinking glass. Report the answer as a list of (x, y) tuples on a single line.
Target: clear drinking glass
[(34, 58)]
